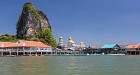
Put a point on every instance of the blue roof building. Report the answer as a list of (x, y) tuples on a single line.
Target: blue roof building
[(111, 46), (111, 49)]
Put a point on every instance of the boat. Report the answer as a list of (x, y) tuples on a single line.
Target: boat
[(65, 55), (80, 54), (115, 54), (74, 54), (97, 54), (10, 55)]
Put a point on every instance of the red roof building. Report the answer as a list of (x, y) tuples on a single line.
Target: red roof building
[(23, 43), (24, 47)]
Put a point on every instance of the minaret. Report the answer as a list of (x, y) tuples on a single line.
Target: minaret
[(60, 41), (82, 44)]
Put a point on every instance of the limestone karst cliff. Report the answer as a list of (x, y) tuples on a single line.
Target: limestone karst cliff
[(34, 25), (31, 21)]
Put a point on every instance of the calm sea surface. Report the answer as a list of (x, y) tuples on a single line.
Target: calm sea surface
[(70, 65)]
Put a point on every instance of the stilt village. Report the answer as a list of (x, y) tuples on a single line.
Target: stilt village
[(33, 48), (34, 25)]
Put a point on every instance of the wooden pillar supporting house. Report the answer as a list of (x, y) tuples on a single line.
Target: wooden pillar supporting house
[(30, 52), (45, 52), (2, 52), (17, 51), (10, 53), (23, 51), (129, 52), (41, 53), (35, 52)]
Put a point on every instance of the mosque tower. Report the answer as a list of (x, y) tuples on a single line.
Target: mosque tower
[(60, 41), (82, 44)]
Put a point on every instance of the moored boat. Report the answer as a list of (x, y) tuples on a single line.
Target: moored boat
[(10, 55), (65, 55), (115, 54)]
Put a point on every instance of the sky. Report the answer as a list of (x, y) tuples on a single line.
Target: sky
[(94, 22)]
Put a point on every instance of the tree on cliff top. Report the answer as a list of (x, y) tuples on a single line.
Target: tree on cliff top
[(8, 38), (47, 37)]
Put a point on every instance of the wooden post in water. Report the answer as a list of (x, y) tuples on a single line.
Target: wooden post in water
[(23, 51), (2, 52), (30, 51), (64, 52), (6, 51), (41, 53), (17, 51), (10, 52), (46, 52), (36, 53)]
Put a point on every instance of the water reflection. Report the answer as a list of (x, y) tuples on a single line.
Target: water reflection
[(30, 66)]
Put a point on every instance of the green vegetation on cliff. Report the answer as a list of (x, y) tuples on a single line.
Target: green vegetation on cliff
[(32, 10), (40, 34), (47, 37), (8, 38)]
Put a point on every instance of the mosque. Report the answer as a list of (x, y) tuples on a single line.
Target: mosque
[(71, 44)]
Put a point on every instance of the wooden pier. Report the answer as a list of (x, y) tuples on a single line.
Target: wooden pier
[(22, 52), (18, 52)]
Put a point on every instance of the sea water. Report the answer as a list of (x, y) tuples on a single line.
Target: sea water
[(70, 65)]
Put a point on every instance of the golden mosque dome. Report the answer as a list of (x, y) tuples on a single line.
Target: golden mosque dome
[(81, 43), (71, 41)]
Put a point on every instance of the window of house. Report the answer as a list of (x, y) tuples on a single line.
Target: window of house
[(41, 48)]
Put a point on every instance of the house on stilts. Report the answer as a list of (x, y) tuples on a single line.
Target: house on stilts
[(111, 49), (133, 49), (23, 47)]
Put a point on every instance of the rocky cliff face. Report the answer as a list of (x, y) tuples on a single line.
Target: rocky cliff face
[(31, 22)]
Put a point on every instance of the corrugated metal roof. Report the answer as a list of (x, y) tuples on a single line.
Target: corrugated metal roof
[(109, 46), (133, 46)]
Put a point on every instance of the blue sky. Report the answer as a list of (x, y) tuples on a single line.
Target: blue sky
[(91, 21)]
